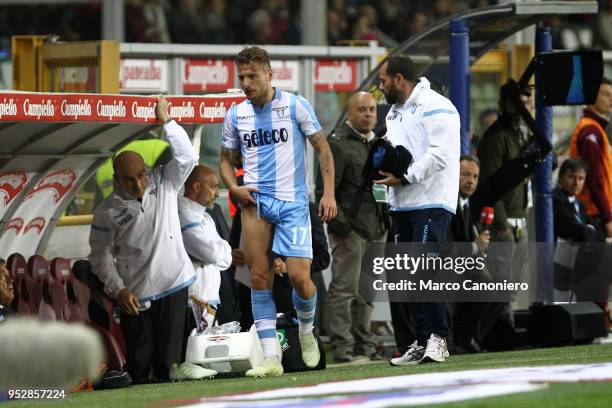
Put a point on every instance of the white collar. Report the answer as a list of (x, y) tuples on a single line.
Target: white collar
[(369, 136), (463, 202)]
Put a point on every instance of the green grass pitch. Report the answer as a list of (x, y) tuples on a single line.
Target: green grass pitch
[(556, 395)]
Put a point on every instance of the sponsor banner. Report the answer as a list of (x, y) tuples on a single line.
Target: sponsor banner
[(42, 107), (77, 79), (143, 75), (415, 389), (286, 75), (212, 75), (335, 75)]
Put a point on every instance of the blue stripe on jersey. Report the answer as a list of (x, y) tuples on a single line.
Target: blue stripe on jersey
[(266, 154), (299, 151), (311, 111), (189, 226), (234, 117), (436, 111)]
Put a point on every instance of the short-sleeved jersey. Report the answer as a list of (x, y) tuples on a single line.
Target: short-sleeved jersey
[(272, 140)]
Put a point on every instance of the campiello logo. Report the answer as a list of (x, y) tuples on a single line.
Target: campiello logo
[(204, 74), (145, 112), (112, 110), (185, 110), (8, 107), (74, 110), (38, 110)]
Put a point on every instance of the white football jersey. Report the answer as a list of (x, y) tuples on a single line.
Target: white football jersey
[(272, 140)]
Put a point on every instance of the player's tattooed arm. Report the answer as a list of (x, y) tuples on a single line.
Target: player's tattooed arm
[(327, 205)]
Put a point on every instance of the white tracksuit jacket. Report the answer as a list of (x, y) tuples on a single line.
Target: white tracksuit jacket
[(139, 246), (427, 124), (209, 253)]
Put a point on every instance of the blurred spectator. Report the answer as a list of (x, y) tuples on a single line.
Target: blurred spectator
[(215, 23), (337, 27), (415, 23), (186, 24), (603, 25), (443, 8), (6, 292), (279, 19), (485, 119), (154, 12), (571, 220), (590, 143), (365, 27), (293, 34), (391, 13), (260, 27)]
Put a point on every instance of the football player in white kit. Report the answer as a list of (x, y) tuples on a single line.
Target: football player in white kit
[(269, 130)]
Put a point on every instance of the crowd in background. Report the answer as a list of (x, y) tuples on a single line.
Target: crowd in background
[(275, 21)]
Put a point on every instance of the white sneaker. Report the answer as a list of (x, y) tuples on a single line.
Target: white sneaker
[(270, 367), (188, 371), (414, 355), (310, 350), (436, 349)]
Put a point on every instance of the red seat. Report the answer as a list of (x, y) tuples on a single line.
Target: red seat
[(38, 269), (114, 327), (46, 295), (73, 310)]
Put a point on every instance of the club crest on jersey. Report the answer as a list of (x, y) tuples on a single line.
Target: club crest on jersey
[(280, 112), (414, 107)]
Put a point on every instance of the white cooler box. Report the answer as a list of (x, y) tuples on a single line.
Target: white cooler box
[(225, 353)]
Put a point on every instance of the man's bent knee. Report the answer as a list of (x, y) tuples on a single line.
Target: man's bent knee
[(261, 278)]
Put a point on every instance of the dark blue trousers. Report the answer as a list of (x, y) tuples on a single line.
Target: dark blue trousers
[(427, 225)]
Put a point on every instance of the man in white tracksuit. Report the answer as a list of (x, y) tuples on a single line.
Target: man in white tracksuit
[(137, 251), (423, 201), (209, 252)]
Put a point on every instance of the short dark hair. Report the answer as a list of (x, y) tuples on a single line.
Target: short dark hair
[(506, 90), (470, 157), (403, 65), (486, 112), (249, 55), (573, 165), (606, 81)]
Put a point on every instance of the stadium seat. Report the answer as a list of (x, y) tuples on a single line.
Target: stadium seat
[(84, 290), (101, 307), (46, 294), (75, 307), (38, 269)]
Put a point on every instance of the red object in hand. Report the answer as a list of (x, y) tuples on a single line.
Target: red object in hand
[(486, 216)]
